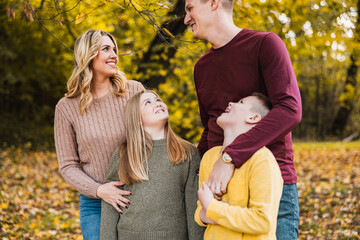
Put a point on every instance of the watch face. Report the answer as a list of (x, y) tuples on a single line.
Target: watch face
[(227, 158)]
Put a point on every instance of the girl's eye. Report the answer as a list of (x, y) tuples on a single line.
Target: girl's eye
[(105, 48), (147, 102), (158, 100)]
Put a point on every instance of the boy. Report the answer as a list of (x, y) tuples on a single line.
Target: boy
[(249, 208)]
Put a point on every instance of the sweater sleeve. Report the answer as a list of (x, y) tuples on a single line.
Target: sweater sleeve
[(265, 189), (203, 143), (283, 92), (194, 231), (67, 154), (138, 86), (109, 215)]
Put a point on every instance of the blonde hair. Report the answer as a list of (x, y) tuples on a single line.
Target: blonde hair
[(227, 4), (137, 149), (86, 49)]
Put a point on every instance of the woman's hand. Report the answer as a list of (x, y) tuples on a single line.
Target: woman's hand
[(113, 195)]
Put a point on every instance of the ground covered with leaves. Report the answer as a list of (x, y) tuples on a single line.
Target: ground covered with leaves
[(36, 203)]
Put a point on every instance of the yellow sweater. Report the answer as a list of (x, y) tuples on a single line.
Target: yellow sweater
[(249, 208)]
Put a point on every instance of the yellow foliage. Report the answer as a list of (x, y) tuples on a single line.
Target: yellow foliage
[(79, 18), (4, 205), (328, 185), (168, 32)]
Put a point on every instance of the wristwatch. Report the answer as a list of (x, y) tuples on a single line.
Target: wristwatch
[(226, 157)]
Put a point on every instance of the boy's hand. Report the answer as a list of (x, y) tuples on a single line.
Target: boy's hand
[(205, 195)]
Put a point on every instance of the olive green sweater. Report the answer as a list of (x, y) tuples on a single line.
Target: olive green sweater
[(161, 208)]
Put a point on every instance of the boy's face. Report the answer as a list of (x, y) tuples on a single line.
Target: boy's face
[(198, 16), (237, 112)]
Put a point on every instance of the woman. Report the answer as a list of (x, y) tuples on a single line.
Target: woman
[(89, 125), (160, 169)]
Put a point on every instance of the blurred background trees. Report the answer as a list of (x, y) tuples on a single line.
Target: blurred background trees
[(157, 49)]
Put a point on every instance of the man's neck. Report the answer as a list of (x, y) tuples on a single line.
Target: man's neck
[(223, 34)]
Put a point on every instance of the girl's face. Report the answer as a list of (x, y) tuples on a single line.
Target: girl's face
[(154, 113), (104, 64)]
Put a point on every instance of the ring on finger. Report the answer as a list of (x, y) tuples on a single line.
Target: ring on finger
[(217, 187)]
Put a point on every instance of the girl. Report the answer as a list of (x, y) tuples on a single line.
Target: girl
[(160, 169), (89, 125)]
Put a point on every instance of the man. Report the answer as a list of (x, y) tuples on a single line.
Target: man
[(242, 61)]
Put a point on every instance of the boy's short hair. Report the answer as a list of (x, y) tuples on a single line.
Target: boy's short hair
[(265, 105)]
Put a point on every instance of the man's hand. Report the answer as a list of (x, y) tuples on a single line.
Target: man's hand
[(220, 176), (205, 195)]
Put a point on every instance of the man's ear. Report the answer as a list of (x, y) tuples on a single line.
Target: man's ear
[(254, 119), (214, 4)]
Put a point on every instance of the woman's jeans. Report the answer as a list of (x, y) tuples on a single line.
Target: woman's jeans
[(288, 216), (90, 215)]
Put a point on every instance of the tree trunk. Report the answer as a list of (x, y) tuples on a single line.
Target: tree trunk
[(157, 59), (346, 105)]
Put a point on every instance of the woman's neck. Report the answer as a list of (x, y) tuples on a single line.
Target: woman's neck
[(100, 87)]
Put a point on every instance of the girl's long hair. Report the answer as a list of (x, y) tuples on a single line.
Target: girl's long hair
[(137, 149), (86, 49)]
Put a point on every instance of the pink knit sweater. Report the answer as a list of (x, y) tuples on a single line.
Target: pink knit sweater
[(85, 143)]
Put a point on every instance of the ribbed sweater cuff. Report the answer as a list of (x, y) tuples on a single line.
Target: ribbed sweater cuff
[(92, 189), (214, 209)]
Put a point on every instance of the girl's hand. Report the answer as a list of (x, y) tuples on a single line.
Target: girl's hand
[(113, 195), (205, 195), (204, 219)]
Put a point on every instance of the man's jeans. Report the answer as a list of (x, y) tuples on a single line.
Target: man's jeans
[(288, 216), (90, 216)]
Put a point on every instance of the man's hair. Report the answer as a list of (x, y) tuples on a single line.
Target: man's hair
[(265, 105), (227, 4)]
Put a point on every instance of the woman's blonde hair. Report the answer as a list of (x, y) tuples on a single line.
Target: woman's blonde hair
[(137, 149), (86, 49)]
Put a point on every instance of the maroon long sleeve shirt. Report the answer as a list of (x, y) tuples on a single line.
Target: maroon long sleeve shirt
[(252, 61)]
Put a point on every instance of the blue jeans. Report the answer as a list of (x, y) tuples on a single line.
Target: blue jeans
[(288, 216), (90, 215)]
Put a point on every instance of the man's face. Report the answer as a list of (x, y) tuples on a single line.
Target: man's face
[(237, 112), (198, 16)]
